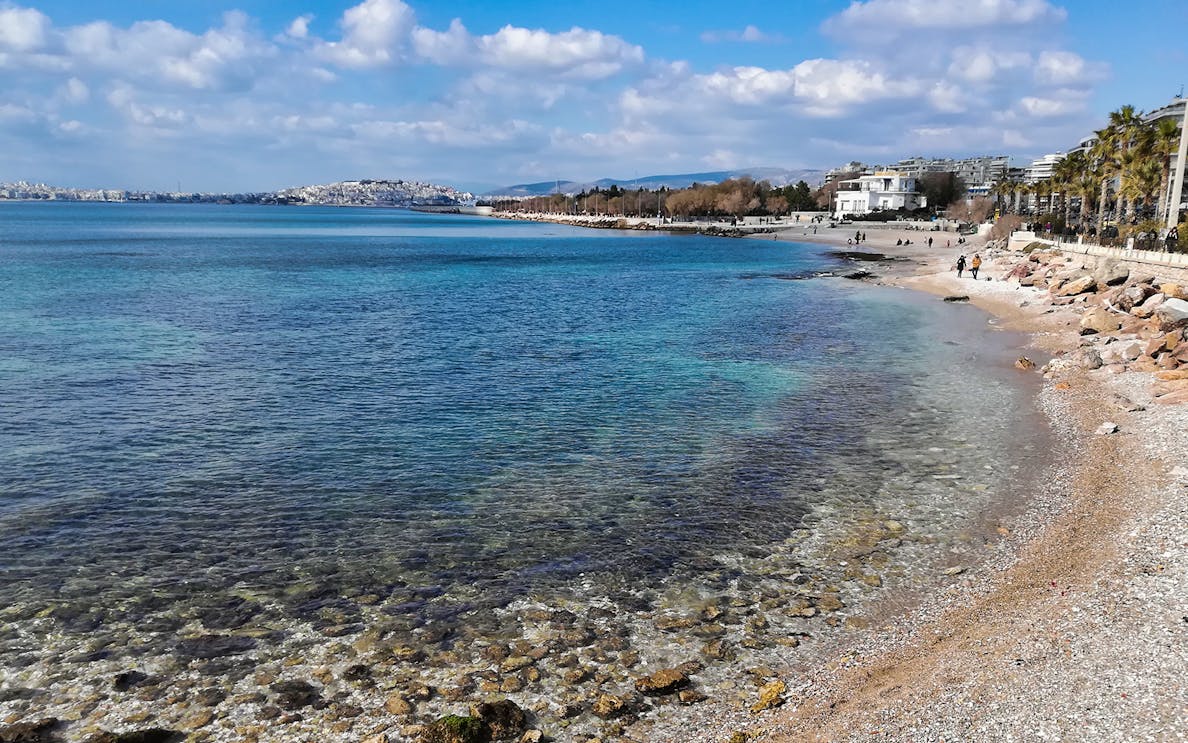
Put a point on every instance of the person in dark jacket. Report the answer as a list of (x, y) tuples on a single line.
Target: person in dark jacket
[(960, 265)]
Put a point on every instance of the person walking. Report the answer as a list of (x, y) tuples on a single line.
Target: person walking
[(930, 242), (960, 265), (974, 265), (1173, 237)]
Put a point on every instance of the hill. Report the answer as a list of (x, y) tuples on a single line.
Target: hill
[(777, 177)]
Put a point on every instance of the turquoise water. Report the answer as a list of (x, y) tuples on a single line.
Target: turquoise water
[(214, 418)]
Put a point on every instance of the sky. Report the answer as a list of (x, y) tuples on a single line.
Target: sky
[(250, 95)]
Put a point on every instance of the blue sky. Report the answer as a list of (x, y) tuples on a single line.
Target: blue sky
[(252, 95)]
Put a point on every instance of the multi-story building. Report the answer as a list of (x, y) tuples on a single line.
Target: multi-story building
[(1041, 168), (880, 191), (979, 174)]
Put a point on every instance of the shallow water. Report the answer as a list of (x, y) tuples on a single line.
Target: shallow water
[(284, 424)]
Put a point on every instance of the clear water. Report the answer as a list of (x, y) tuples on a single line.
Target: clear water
[(221, 418)]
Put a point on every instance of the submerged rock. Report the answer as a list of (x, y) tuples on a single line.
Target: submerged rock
[(504, 718), (150, 735), (957, 298), (292, 695), (214, 646), (771, 695), (36, 731), (665, 681), (456, 729), (128, 679)]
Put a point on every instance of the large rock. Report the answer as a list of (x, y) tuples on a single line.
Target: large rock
[(666, 681), (1133, 296), (34, 731), (1087, 358), (456, 729), (1111, 273), (1076, 286), (214, 646), (771, 695), (504, 718), (1099, 320), (1172, 315), (293, 695), (1148, 307)]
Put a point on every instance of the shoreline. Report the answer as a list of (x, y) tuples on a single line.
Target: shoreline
[(1045, 634)]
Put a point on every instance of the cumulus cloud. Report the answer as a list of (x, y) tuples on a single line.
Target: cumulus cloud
[(374, 33), (23, 29), (1055, 67), (886, 17)]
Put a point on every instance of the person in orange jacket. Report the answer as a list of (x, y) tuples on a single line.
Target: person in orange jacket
[(974, 265)]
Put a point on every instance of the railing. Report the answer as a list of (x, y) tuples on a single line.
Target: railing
[(1153, 257)]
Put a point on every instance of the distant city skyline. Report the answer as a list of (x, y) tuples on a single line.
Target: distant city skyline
[(239, 96)]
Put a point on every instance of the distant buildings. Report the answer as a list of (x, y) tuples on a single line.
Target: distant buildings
[(979, 174), (1041, 168), (885, 190)]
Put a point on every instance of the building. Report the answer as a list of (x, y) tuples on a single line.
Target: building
[(1041, 168), (848, 170), (1176, 193), (880, 191), (979, 174)]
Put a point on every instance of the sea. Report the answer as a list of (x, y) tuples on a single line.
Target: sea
[(365, 449)]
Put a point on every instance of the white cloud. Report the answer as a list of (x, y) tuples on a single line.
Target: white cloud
[(299, 27), (74, 91), (1056, 67), (750, 34), (887, 17), (983, 65), (374, 33), (22, 29)]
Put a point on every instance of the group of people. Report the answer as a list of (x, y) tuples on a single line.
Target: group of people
[(974, 265)]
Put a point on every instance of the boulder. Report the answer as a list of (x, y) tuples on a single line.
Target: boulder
[(1107, 428), (1172, 314), (770, 695), (1111, 273), (151, 735), (1173, 398), (1148, 307), (1087, 358), (607, 706), (206, 647), (504, 718), (292, 695), (34, 731), (1132, 352), (1171, 289), (665, 681), (1021, 270), (1099, 320), (456, 729), (1133, 295), (1076, 286), (1024, 364)]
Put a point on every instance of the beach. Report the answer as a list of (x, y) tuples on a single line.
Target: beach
[(1073, 628)]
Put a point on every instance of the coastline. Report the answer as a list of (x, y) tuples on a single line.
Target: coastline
[(1071, 626)]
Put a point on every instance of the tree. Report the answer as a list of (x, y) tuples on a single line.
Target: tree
[(777, 205), (1166, 142), (941, 188), (973, 211)]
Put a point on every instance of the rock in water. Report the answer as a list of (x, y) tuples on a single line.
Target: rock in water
[(666, 681), (292, 695), (151, 735), (214, 646), (504, 718), (771, 695), (1025, 364), (128, 679), (456, 729), (37, 731), (957, 298)]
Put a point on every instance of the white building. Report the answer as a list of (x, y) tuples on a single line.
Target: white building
[(1041, 168), (881, 191)]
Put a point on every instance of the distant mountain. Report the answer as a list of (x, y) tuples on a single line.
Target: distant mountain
[(776, 176)]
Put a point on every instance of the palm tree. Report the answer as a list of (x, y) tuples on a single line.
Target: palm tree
[(1127, 122), (1166, 140), (1103, 153)]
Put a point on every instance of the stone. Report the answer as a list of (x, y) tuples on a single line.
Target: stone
[(1076, 286), (770, 695), (690, 696), (1132, 296), (718, 650), (1174, 374), (738, 736), (293, 695), (150, 735), (1107, 428), (35, 731), (1024, 364), (199, 719), (398, 705), (532, 736), (128, 680), (1173, 398), (456, 729), (957, 298), (1148, 307), (1172, 315), (1087, 358), (607, 706), (1132, 352), (504, 718), (377, 738), (515, 663), (665, 681), (206, 647), (1099, 320), (1111, 273), (1174, 290)]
